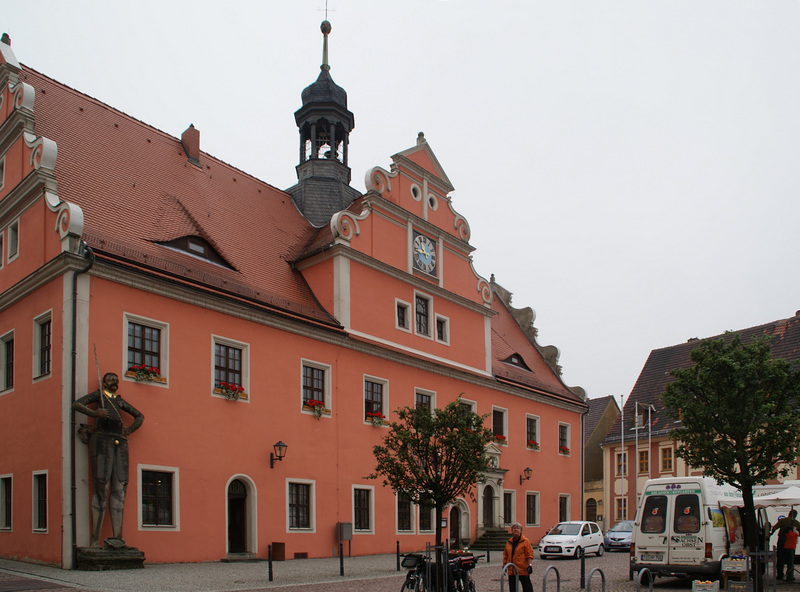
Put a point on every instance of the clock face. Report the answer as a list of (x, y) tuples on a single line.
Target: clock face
[(424, 254)]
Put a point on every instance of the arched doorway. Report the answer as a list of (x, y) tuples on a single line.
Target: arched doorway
[(488, 506), (455, 527), (237, 517), (591, 509)]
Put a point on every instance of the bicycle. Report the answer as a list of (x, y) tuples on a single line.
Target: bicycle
[(416, 578), (461, 567)]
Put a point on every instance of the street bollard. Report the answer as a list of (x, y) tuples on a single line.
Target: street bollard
[(583, 568), (341, 559), (488, 551), (269, 561), (398, 555)]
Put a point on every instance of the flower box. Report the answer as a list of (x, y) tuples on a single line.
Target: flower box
[(316, 407), (563, 450), (533, 445), (500, 439), (144, 373), (376, 418), (230, 391)]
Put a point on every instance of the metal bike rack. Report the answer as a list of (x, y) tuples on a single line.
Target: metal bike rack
[(602, 577), (558, 578), (642, 572), (505, 574)]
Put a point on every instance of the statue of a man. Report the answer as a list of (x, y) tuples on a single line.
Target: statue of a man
[(108, 447)]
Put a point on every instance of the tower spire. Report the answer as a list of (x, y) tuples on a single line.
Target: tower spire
[(325, 27), (324, 122)]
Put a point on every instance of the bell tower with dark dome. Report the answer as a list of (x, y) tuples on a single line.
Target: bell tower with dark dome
[(324, 122)]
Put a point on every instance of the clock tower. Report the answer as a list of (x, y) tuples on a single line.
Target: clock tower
[(324, 123)]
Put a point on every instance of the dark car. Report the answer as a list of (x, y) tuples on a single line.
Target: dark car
[(619, 536)]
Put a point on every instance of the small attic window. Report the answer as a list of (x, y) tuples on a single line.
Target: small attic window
[(516, 360), (198, 247)]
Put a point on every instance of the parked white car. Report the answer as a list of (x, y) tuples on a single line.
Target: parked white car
[(566, 539)]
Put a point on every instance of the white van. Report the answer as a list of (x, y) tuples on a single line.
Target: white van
[(681, 528)]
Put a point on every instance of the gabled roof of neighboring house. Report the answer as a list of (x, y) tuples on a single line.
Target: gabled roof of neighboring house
[(785, 342), (597, 407)]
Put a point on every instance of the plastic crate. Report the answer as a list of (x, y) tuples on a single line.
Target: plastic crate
[(740, 586), (702, 586)]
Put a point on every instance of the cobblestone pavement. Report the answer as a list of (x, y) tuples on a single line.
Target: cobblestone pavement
[(369, 574)]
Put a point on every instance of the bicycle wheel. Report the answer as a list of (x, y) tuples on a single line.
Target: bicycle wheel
[(408, 584), (471, 587), (420, 586)]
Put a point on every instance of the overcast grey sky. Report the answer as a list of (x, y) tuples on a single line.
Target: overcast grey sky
[(629, 168)]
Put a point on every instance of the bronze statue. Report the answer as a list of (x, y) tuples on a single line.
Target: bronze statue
[(108, 447)]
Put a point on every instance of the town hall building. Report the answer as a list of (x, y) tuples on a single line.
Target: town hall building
[(266, 336)]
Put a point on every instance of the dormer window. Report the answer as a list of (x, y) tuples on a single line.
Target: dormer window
[(198, 247), (516, 360)]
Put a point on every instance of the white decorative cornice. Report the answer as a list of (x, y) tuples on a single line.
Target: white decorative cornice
[(482, 286), (460, 223), (378, 180), (344, 224), (69, 221), (43, 152), (24, 95)]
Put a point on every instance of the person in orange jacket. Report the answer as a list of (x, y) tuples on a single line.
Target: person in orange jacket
[(519, 552)]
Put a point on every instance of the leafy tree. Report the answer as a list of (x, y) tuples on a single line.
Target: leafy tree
[(433, 457), (740, 416)]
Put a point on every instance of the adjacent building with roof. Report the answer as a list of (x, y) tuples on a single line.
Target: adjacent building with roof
[(602, 414), (641, 432), (266, 336)]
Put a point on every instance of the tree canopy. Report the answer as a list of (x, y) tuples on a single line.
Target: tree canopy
[(433, 456), (739, 411)]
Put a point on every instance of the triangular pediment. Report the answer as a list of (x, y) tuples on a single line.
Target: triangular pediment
[(422, 156)]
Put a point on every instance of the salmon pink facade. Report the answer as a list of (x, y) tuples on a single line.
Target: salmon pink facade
[(326, 307)]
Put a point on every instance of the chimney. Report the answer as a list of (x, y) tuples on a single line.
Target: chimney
[(190, 140)]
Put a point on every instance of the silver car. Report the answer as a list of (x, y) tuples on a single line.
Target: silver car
[(566, 539)]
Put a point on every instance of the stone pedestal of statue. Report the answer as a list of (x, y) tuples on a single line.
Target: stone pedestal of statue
[(110, 556)]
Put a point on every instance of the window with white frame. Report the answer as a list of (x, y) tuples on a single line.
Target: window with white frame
[(5, 502), (508, 507), (468, 406), (666, 460), (442, 329), (563, 438), (532, 508), (423, 311), (7, 361), (42, 345), (376, 400), (644, 461), (404, 514), (39, 501), (500, 425), (316, 381), (425, 399), (425, 519), (231, 368), (2, 171), (622, 464), (300, 511), (2, 249), (159, 498), (402, 317), (621, 508), (147, 345), (563, 507), (532, 432), (363, 511), (13, 240)]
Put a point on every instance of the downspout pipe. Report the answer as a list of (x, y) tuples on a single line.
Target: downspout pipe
[(85, 251)]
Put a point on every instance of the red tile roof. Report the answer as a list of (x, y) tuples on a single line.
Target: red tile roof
[(137, 188), (785, 343)]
